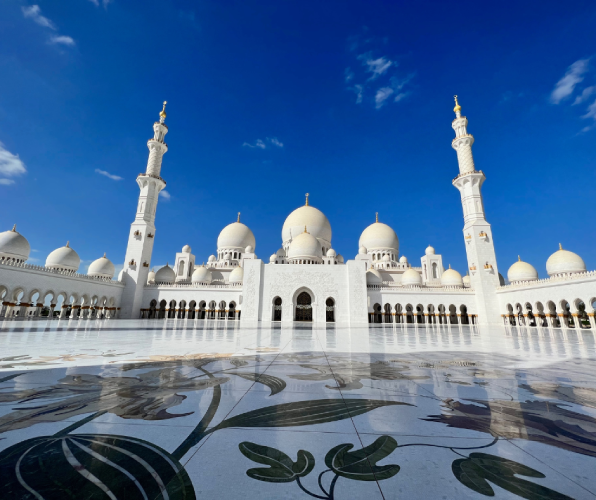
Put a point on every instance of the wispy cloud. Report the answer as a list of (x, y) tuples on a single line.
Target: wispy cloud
[(165, 195), (566, 85), (591, 111), (587, 92), (34, 13), (378, 77), (263, 144), (62, 40), (103, 2), (382, 95), (348, 75), (377, 67), (107, 174), (10, 166)]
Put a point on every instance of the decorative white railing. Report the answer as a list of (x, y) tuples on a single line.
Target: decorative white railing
[(400, 288), (231, 286), (66, 274), (546, 281)]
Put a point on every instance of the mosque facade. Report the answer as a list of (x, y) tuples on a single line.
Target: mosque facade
[(306, 279)]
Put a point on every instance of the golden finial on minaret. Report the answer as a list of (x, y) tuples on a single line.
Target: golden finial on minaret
[(162, 113), (457, 106), (238, 217), (306, 204), (376, 216)]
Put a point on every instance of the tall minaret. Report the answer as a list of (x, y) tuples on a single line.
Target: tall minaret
[(142, 231), (478, 237)]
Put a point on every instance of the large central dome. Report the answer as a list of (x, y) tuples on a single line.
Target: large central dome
[(315, 221)]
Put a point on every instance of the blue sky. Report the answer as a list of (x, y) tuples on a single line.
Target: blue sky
[(350, 101)]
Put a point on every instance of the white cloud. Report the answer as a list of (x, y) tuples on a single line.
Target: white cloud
[(107, 174), (97, 2), (359, 91), (377, 66), (34, 13), (62, 40), (400, 96), (587, 92), (165, 195), (260, 144), (10, 166), (591, 111), (566, 85), (382, 95), (348, 74)]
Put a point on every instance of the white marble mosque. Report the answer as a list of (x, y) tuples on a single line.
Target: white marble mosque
[(306, 279)]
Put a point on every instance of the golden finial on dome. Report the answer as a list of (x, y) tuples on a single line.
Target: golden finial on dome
[(305, 230), (162, 113), (518, 258), (104, 255), (238, 217), (68, 244), (560, 247), (307, 195), (449, 266), (14, 228), (376, 216), (457, 106)]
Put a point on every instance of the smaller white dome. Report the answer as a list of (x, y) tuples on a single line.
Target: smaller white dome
[(201, 275), (429, 250), (212, 258), (340, 258), (235, 235), (403, 259), (102, 267), (281, 252), (373, 277), (63, 258), (150, 277), (249, 249), (186, 249), (386, 258), (451, 278), (305, 246), (14, 245), (165, 275), (466, 280), (272, 259), (331, 253), (411, 278), (362, 250), (522, 271), (564, 262), (237, 275)]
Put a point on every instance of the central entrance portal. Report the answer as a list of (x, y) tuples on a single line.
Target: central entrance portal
[(303, 307)]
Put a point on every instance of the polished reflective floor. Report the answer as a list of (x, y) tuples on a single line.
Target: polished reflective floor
[(183, 409)]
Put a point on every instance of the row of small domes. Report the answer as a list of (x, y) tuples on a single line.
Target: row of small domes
[(14, 246), (201, 274), (559, 263), (411, 277)]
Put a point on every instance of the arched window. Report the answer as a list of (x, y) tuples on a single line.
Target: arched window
[(435, 275), (181, 268), (304, 307), (330, 310), (277, 309)]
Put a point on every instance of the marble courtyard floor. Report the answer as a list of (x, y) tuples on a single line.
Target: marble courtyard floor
[(184, 409)]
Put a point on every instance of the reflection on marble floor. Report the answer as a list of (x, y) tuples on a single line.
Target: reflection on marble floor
[(195, 409)]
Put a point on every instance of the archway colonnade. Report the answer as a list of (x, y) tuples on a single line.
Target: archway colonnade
[(420, 314), (20, 303), (577, 314), (191, 310)]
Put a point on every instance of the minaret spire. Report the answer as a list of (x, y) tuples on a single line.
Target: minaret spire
[(142, 230), (480, 249)]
